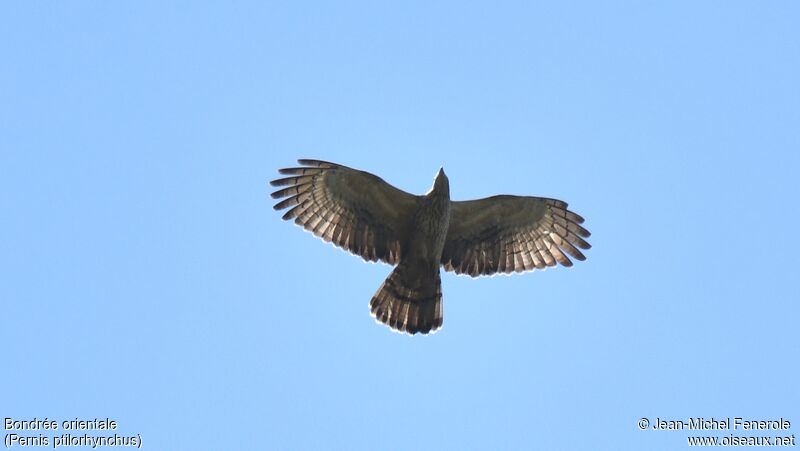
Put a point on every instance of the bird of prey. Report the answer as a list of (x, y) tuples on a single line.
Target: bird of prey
[(363, 214)]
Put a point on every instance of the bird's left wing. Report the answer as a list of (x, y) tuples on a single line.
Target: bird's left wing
[(353, 209), (511, 234)]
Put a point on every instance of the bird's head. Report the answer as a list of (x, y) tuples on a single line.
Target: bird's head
[(441, 184)]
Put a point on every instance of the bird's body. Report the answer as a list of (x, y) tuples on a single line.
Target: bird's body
[(410, 299), (430, 224), (365, 215)]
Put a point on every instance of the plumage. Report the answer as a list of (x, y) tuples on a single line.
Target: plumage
[(513, 229), (368, 217)]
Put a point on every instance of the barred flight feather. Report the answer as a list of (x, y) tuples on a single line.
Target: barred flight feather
[(353, 209), (522, 234)]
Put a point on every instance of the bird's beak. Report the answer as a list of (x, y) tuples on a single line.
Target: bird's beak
[(441, 172)]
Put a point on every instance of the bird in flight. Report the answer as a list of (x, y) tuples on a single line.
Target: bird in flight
[(363, 214)]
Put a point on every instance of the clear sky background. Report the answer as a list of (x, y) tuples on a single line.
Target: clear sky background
[(146, 278)]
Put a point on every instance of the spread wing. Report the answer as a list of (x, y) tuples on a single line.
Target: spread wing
[(511, 234), (355, 210)]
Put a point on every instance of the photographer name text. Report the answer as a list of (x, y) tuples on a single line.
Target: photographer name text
[(721, 424)]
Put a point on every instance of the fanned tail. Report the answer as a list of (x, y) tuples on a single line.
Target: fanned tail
[(409, 301)]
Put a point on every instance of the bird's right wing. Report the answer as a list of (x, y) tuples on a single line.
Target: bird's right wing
[(355, 210), (511, 234)]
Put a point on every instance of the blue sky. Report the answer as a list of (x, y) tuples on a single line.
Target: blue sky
[(147, 279)]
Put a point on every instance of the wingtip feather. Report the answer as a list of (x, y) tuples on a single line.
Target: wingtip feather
[(316, 163)]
